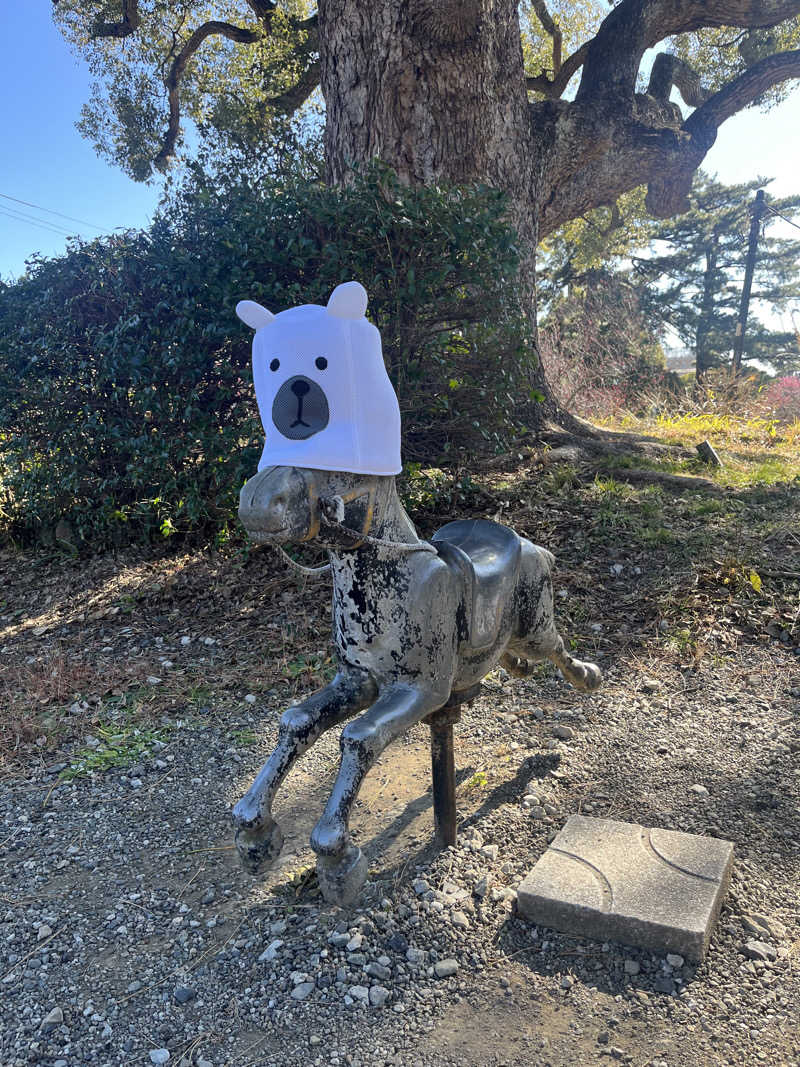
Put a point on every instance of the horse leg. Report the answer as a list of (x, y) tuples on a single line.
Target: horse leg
[(341, 866), (258, 837), (580, 673), (539, 639)]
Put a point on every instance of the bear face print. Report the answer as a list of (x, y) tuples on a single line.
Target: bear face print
[(323, 393)]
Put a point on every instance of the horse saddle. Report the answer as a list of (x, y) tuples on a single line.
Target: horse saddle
[(487, 555)]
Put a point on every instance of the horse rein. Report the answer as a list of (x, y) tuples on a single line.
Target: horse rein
[(331, 514)]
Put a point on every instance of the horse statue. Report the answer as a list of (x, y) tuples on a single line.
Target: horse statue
[(415, 623)]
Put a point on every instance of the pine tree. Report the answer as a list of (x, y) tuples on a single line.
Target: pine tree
[(691, 278)]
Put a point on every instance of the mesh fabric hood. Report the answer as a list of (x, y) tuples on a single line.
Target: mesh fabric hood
[(323, 393)]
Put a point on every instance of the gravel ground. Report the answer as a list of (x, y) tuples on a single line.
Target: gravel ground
[(128, 933)]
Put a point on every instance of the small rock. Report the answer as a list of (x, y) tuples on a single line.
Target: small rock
[(377, 970), (159, 1055), (152, 680), (700, 790), (209, 896), (564, 733), (250, 698), (756, 923), (445, 968), (359, 992), (183, 994), (650, 685), (43, 932), (53, 1019), (632, 967), (378, 995), (482, 885), (567, 982), (415, 955), (759, 950), (616, 569), (674, 960), (355, 943), (271, 951), (490, 852), (301, 991), (459, 919)]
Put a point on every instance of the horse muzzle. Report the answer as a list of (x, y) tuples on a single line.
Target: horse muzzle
[(273, 506)]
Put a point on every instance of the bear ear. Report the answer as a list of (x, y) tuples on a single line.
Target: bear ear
[(348, 301), (253, 314)]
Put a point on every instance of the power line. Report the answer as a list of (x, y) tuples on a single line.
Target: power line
[(41, 223), (50, 211), (772, 211), (34, 218)]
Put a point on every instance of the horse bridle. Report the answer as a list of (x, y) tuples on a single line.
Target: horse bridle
[(332, 511)]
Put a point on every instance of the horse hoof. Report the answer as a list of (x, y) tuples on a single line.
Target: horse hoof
[(594, 678), (341, 879), (259, 846)]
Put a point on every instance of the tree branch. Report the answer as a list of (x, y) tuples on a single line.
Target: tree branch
[(669, 70), (291, 99), (540, 7), (553, 89), (616, 51), (668, 191), (743, 90), (172, 81), (130, 22)]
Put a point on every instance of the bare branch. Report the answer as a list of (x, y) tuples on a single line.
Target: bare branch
[(208, 29), (262, 9), (614, 55), (293, 98), (540, 7), (669, 187), (669, 70), (553, 89), (743, 90)]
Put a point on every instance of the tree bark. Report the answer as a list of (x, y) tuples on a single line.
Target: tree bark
[(438, 98)]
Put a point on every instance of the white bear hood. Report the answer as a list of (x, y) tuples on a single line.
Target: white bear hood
[(323, 393)]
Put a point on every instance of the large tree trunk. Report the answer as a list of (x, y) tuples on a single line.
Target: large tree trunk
[(436, 89)]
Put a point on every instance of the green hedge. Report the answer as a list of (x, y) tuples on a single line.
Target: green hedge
[(126, 402)]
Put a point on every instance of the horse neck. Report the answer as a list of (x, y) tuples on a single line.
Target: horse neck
[(390, 524)]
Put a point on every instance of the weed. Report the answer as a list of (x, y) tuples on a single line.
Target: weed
[(246, 738), (479, 780), (117, 746)]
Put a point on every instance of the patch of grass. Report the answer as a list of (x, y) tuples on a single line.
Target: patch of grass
[(245, 737), (119, 745), (754, 451)]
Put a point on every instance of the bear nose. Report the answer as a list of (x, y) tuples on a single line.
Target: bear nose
[(300, 388)]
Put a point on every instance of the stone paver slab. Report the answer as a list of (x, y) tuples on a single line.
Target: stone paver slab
[(617, 881)]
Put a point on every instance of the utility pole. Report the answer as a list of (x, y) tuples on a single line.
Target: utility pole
[(756, 211)]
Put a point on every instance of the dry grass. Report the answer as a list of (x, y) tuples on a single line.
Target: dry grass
[(754, 450)]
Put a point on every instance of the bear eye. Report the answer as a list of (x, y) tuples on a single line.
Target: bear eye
[(274, 364), (321, 362)]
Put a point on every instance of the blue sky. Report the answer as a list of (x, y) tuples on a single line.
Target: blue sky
[(46, 162)]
